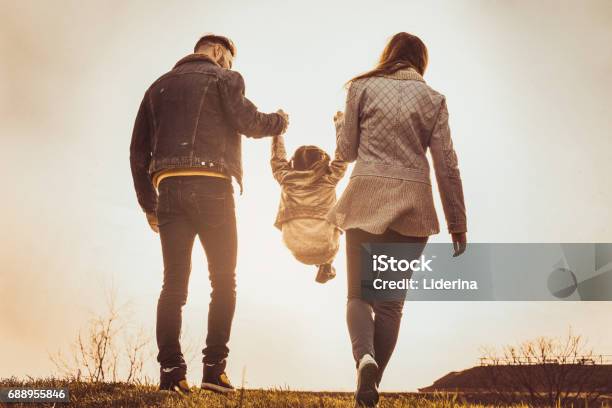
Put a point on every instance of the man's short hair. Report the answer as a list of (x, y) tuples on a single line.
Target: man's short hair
[(216, 39)]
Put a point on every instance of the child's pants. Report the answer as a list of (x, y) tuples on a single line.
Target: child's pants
[(311, 241)]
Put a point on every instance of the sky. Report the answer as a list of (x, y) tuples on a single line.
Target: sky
[(527, 85)]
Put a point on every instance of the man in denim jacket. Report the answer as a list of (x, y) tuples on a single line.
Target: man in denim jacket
[(185, 149)]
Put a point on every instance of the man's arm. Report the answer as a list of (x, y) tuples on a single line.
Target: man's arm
[(140, 157), (279, 163), (243, 113)]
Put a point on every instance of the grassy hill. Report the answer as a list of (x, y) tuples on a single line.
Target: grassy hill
[(103, 395), (473, 379)]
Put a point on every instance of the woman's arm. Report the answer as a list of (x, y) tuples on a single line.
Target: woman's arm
[(446, 167), (279, 163), (347, 134)]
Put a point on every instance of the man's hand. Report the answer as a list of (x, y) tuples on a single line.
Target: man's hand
[(285, 117), (152, 220), (459, 243)]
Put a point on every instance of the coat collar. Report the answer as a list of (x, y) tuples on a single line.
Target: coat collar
[(195, 57), (407, 73)]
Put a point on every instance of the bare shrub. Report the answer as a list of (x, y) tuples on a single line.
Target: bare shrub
[(109, 349), (546, 372)]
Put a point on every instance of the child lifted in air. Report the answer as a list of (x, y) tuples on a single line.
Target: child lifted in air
[(308, 191)]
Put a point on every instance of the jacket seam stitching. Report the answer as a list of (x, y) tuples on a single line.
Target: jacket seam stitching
[(152, 113), (197, 124)]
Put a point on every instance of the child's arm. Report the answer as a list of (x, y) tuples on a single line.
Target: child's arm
[(279, 163), (337, 168)]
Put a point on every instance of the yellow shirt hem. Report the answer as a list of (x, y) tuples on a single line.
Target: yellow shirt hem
[(163, 174)]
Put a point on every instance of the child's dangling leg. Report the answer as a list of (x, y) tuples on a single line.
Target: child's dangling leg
[(326, 272)]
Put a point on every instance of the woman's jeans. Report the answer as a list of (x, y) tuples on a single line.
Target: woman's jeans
[(373, 325), (190, 206)]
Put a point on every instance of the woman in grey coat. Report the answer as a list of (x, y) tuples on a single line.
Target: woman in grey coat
[(392, 117)]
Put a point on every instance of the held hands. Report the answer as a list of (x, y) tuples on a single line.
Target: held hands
[(285, 117), (459, 243), (153, 223)]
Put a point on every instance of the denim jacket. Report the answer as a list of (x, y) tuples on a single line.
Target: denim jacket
[(192, 117)]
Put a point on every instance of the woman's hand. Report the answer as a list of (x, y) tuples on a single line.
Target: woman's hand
[(459, 243)]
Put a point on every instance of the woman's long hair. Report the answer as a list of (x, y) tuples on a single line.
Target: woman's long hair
[(402, 51)]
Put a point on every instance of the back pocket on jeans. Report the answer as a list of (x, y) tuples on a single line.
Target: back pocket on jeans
[(211, 208)]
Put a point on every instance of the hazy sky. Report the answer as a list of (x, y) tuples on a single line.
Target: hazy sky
[(528, 87)]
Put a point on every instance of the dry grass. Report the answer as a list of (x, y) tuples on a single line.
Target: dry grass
[(89, 395)]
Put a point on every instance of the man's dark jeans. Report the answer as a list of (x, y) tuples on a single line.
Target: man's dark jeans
[(190, 206)]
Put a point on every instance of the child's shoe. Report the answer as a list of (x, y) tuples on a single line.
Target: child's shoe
[(326, 272)]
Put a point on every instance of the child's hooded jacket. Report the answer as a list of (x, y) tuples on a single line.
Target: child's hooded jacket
[(305, 194)]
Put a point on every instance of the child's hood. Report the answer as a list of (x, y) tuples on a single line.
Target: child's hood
[(308, 177)]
